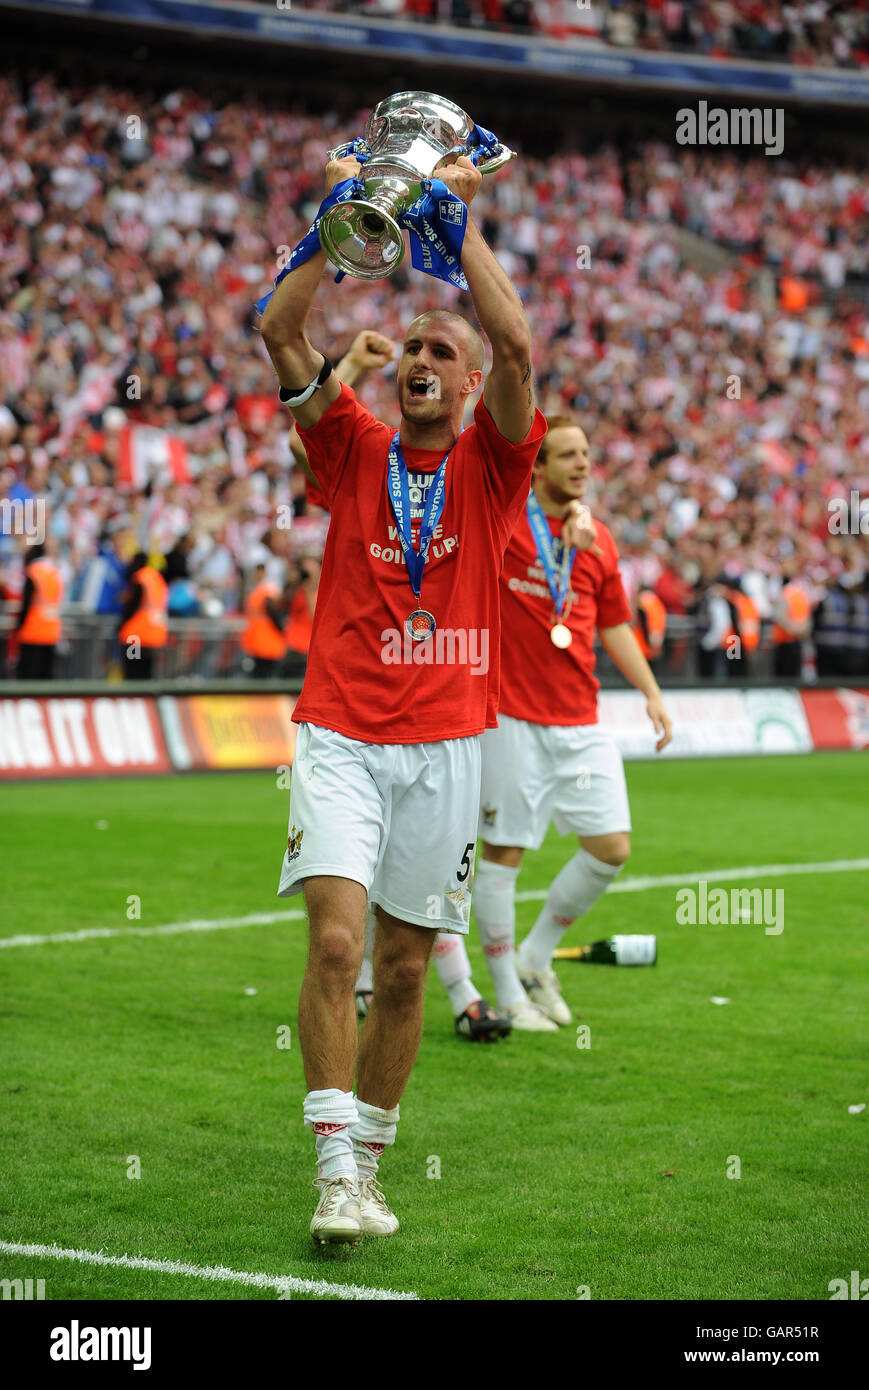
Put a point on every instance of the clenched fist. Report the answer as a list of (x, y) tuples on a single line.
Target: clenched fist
[(369, 350)]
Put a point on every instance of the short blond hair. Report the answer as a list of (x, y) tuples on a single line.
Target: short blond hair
[(556, 422)]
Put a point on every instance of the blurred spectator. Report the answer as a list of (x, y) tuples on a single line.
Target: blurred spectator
[(126, 283), (300, 616), (38, 628), (728, 630), (650, 624), (263, 638), (143, 627), (809, 32), (841, 624), (792, 624)]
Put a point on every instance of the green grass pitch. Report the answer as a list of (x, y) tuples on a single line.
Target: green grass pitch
[(560, 1168)]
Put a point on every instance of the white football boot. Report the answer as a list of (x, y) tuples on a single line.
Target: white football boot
[(545, 991), (338, 1219), (527, 1017), (377, 1219)]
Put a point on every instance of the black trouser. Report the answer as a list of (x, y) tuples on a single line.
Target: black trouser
[(35, 661), (294, 664), (830, 662), (141, 667), (739, 668), (788, 659), (263, 667), (708, 663)]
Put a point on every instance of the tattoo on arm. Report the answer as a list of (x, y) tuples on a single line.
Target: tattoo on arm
[(529, 397), (527, 373)]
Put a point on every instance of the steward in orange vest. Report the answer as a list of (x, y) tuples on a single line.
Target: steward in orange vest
[(38, 625), (263, 638), (793, 613), (650, 625), (745, 625), (144, 623)]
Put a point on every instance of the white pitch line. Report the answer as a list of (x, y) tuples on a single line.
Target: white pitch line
[(638, 884), (281, 1283), (256, 919), (641, 884)]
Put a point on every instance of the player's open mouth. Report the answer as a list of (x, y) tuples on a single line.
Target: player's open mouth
[(420, 386)]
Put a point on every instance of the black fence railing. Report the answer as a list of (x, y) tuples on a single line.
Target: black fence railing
[(207, 650)]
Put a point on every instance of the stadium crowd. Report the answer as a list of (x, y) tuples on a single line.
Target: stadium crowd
[(728, 408), (825, 33)]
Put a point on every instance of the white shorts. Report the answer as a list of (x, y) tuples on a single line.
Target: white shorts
[(401, 819), (534, 773)]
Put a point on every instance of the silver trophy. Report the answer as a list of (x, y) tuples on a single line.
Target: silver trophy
[(407, 137)]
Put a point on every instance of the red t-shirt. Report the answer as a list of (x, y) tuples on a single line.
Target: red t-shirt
[(540, 682), (314, 495), (360, 682)]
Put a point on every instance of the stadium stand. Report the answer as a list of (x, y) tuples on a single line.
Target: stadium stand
[(718, 354), (807, 32)]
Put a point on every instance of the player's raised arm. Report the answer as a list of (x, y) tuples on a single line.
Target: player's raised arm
[(508, 393), (367, 351), (297, 363)]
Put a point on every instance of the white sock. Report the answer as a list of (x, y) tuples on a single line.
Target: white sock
[(332, 1115), (454, 969), (374, 1129), (365, 978), (577, 888), (495, 908)]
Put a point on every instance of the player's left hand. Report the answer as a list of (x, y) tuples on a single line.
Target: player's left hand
[(369, 350), (462, 178), (578, 531), (661, 720), (337, 170)]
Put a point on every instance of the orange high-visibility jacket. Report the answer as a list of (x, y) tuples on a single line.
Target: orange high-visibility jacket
[(748, 619), (798, 608), (651, 608), (41, 627), (300, 623), (149, 622), (261, 638)]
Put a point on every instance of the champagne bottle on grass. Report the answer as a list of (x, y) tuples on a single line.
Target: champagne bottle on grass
[(616, 950)]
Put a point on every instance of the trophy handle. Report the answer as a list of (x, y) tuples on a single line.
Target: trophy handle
[(496, 161), (485, 166), (357, 147)]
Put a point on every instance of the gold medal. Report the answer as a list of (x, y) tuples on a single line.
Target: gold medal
[(420, 625), (561, 636)]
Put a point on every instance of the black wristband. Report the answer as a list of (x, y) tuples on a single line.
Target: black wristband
[(290, 396)]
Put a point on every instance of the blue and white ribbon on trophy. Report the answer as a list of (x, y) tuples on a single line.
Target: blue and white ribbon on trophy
[(436, 221)]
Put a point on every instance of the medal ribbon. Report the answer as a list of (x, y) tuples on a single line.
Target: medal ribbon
[(559, 583), (398, 492)]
